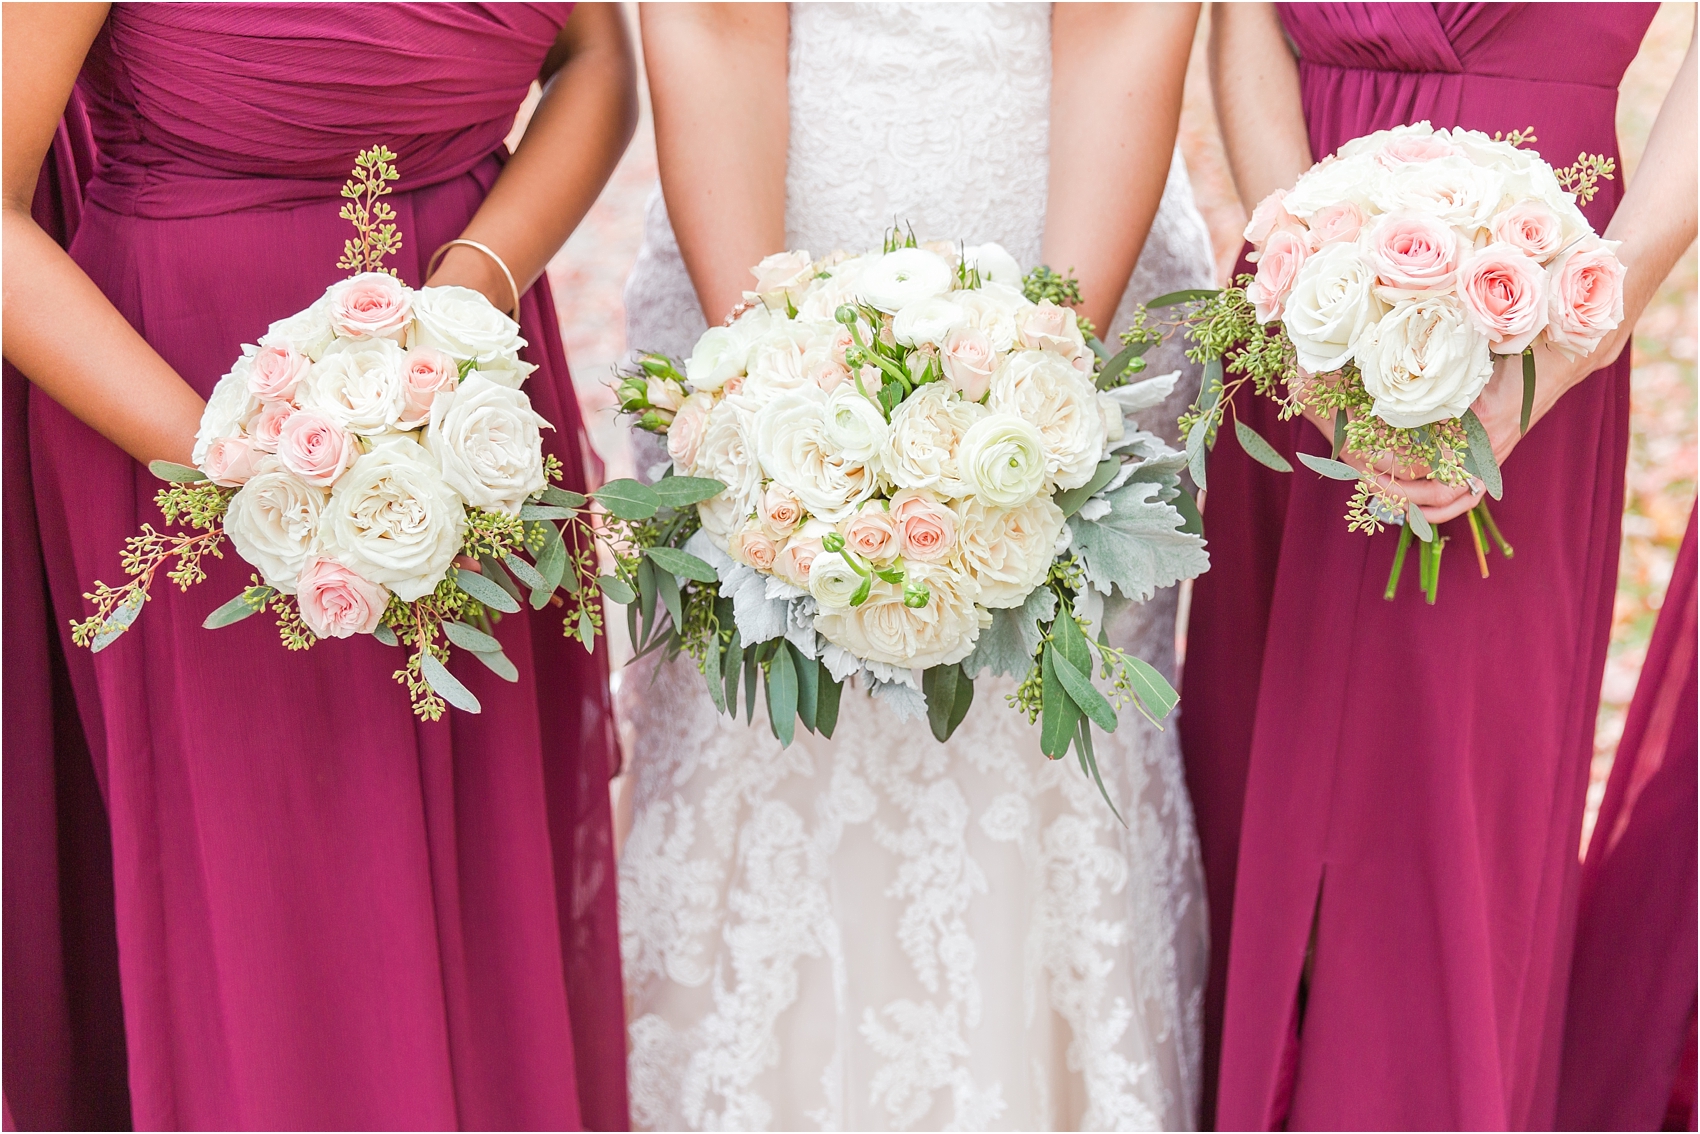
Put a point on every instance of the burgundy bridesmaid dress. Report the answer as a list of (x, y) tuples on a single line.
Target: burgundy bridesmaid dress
[(1401, 783), (1629, 1040), (328, 914)]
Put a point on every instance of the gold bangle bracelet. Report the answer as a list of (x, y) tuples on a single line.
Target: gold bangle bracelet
[(500, 263)]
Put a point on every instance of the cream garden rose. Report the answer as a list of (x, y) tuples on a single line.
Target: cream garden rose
[(923, 445), (1042, 388), (487, 442), (883, 629), (1423, 362), (460, 322), (273, 523), (371, 305), (1008, 551), (394, 519), (795, 448), (1333, 300), (230, 408), (359, 385), (727, 453)]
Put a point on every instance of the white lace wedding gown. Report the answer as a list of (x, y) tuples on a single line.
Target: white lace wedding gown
[(879, 931)]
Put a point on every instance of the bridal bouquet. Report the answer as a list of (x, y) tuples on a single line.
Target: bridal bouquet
[(927, 476), (1388, 279), (376, 460)]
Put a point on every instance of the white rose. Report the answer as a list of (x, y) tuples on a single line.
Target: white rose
[(272, 522), (1355, 179), (855, 426), (486, 440), (684, 436), (1009, 551), (228, 411), (926, 433), (1455, 189), (1046, 326), (1002, 460), (393, 520), (994, 264), (1333, 300), (720, 354), (360, 384), (1372, 144), (727, 453), (1423, 362), (884, 630), (994, 309), (1484, 151), (778, 362), (833, 581), (795, 449), (308, 332), (928, 321), (462, 323), (900, 278), (1041, 387), (782, 273), (835, 285)]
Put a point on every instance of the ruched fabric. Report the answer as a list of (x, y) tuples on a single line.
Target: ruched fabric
[(328, 914), (1407, 779)]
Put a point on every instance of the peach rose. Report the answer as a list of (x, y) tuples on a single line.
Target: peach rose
[(314, 447), (426, 372), (230, 461), (968, 361), (1045, 326), (268, 424), (371, 305), (871, 533), (337, 603), (1412, 254), (1336, 223), (1586, 298), (1270, 214), (1531, 226), (276, 372), (684, 435), (795, 559), (1504, 291), (926, 529), (753, 547), (780, 508), (1278, 267), (1407, 148)]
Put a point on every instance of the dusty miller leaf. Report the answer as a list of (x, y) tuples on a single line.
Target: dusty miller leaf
[(1138, 546)]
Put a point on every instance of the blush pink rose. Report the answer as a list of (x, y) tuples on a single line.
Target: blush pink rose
[(426, 372), (268, 425), (871, 533), (926, 529), (230, 461), (1334, 224), (1413, 254), (795, 558), (1585, 302), (337, 603), (1269, 216), (753, 547), (314, 447), (276, 372), (968, 360), (1409, 148), (841, 341), (372, 305), (1278, 267), (733, 385), (1046, 326), (1531, 226), (780, 508), (1504, 291)]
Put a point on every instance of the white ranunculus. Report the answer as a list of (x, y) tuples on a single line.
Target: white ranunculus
[(486, 440), (360, 384), (900, 278), (308, 332), (1040, 387), (994, 309), (792, 442), (994, 264), (925, 439), (1002, 460), (1332, 181), (928, 321), (393, 520), (463, 324), (1333, 300), (1423, 362), (886, 631), (272, 523), (228, 411), (719, 355), (833, 581), (855, 426), (1455, 189), (727, 453), (1009, 551)]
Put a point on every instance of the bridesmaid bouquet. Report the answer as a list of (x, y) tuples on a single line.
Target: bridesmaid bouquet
[(376, 460), (926, 475), (1388, 279)]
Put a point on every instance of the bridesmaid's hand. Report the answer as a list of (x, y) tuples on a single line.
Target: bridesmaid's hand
[(468, 267), (1439, 502)]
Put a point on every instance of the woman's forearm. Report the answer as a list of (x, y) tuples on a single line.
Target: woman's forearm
[(1118, 123), (1255, 82), (717, 81), (576, 135)]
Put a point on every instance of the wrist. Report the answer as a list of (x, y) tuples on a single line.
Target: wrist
[(463, 266)]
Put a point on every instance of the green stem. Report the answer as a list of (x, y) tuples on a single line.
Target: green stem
[(1476, 536), (1398, 561), (1493, 530)]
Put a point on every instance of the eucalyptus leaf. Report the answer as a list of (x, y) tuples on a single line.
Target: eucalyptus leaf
[(175, 473), (485, 592), (734, 664), (561, 498), (1335, 470), (782, 697), (938, 686), (385, 635), (497, 663), (1339, 435), (528, 576), (1113, 369), (447, 685), (668, 587), (1152, 688), (545, 512), (1187, 296), (498, 574), (616, 588), (1481, 453), (646, 595), (682, 563), (1528, 392), (1419, 522), (808, 685), (1083, 693), (1258, 449), (711, 674), (1089, 759), (683, 491), (587, 631), (826, 701), (118, 621), (628, 499), (752, 671), (1071, 501), (250, 602), (964, 699), (471, 638), (1058, 714)]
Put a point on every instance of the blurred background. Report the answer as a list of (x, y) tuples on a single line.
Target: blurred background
[(589, 275)]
